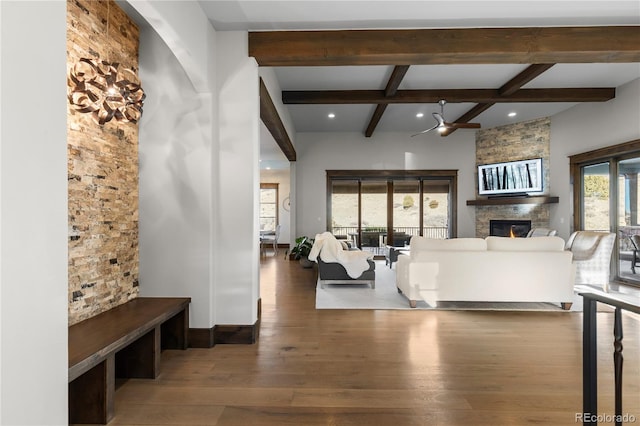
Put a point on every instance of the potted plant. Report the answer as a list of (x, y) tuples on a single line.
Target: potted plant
[(301, 251)]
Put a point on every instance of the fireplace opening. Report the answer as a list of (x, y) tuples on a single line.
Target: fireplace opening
[(507, 228)]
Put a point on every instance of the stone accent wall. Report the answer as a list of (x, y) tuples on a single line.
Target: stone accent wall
[(520, 141), (103, 172)]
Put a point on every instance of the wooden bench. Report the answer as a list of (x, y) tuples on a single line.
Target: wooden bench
[(123, 342)]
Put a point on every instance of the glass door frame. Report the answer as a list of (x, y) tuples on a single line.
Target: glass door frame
[(390, 176), (612, 155)]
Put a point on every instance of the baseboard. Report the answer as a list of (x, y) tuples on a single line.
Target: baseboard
[(226, 334), (201, 337)]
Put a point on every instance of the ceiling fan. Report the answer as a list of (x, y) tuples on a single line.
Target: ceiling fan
[(442, 125)]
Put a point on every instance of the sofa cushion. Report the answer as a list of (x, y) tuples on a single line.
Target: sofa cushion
[(525, 244), (454, 244)]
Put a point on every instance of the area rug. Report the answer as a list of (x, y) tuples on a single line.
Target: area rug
[(386, 296)]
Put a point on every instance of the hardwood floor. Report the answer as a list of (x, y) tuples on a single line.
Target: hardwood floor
[(401, 368)]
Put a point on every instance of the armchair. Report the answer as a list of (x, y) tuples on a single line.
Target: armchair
[(591, 256), (339, 266), (541, 232), (335, 273)]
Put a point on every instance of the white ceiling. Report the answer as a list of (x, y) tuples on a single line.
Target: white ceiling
[(346, 14), (341, 14)]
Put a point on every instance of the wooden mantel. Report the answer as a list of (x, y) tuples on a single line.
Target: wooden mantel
[(502, 201)]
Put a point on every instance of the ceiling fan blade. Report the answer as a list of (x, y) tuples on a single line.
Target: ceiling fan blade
[(425, 131), (462, 125), (442, 125), (439, 118)]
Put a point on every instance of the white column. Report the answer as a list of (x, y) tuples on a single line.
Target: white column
[(236, 223), (33, 214)]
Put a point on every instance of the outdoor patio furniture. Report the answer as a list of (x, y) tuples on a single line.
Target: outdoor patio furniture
[(635, 243)]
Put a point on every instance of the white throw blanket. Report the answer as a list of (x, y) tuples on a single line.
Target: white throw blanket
[(330, 250)]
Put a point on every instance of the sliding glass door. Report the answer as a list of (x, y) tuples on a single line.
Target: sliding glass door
[(373, 213), (379, 208), (607, 200), (436, 208), (628, 221), (345, 199), (406, 211), (595, 196)]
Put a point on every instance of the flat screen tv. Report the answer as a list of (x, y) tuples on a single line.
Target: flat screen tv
[(510, 178)]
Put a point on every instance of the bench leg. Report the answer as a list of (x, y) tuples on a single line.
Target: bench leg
[(175, 331), (92, 394), (140, 359)]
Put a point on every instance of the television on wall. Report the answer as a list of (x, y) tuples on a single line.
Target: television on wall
[(510, 178)]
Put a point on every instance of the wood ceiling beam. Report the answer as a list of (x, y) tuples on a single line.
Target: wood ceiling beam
[(516, 83), (510, 87), (337, 97), (270, 117), (399, 71), (525, 45)]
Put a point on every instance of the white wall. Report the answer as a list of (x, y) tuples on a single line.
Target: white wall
[(199, 167), (33, 214), (187, 32), (238, 184), (583, 128), (175, 152), (287, 221), (318, 152), (275, 91)]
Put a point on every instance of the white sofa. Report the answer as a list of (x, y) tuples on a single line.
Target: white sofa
[(495, 269)]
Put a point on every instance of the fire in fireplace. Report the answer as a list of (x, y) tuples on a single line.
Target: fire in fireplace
[(508, 228)]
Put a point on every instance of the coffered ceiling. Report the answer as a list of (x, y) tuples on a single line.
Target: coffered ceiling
[(483, 76)]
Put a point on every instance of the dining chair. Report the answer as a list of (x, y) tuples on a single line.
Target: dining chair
[(270, 239)]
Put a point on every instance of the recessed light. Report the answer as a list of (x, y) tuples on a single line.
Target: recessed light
[(419, 115), (331, 115), (512, 114)]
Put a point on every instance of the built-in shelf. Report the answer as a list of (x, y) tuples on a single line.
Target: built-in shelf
[(503, 201)]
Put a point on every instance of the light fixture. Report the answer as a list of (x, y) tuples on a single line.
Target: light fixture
[(105, 91), (512, 114), (331, 115), (419, 115)]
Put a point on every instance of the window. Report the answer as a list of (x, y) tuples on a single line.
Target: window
[(606, 191), (268, 206), (377, 208)]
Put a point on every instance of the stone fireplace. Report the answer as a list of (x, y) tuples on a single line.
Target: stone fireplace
[(508, 228), (518, 141)]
